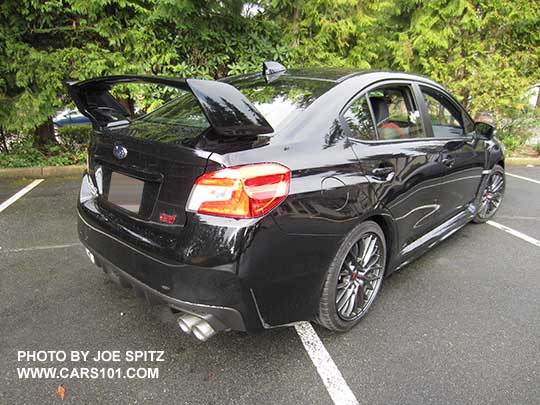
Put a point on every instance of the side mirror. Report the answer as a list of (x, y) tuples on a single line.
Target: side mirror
[(484, 130)]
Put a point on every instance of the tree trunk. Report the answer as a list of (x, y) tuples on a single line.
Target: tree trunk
[(4, 146), (296, 24), (44, 134)]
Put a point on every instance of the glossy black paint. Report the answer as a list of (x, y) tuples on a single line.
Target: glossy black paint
[(270, 270)]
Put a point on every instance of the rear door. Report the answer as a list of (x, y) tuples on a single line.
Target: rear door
[(144, 167), (397, 154), (462, 156)]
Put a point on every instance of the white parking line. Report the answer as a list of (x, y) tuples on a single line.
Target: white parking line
[(29, 249), (331, 377), (19, 194), (515, 233), (522, 178)]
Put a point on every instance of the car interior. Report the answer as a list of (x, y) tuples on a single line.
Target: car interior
[(395, 114), (446, 120)]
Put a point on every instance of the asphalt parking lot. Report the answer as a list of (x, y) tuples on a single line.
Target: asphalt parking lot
[(459, 325)]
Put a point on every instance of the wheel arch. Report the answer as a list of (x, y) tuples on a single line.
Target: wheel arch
[(389, 228)]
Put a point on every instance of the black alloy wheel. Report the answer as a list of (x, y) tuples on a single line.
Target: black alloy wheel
[(354, 278), (492, 195)]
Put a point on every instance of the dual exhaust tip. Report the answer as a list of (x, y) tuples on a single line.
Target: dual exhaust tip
[(198, 327)]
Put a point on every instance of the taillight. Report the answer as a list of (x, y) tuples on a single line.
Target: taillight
[(247, 191)]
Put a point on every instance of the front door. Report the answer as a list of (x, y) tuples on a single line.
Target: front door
[(462, 158)]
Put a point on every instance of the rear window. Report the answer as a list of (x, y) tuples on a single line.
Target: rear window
[(279, 102), (179, 121), (184, 111)]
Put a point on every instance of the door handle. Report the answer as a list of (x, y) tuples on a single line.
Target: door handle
[(384, 173), (446, 158), (448, 161)]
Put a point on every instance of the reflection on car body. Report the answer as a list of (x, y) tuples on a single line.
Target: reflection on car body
[(270, 198)]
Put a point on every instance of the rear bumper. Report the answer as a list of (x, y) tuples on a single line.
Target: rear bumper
[(221, 318), (213, 294), (246, 275)]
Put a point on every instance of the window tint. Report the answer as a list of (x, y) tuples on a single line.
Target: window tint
[(358, 118), (182, 111), (279, 102), (446, 119), (282, 100), (395, 113)]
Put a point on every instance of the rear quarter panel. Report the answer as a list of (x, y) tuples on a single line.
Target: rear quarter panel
[(287, 254)]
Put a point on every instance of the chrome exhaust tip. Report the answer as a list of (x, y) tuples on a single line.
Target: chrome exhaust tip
[(203, 330), (199, 327), (90, 256), (187, 321)]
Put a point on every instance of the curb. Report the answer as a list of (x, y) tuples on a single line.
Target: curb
[(522, 161), (77, 170), (42, 172)]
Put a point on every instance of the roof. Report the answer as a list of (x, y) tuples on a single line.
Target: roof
[(328, 74), (335, 74), (341, 74)]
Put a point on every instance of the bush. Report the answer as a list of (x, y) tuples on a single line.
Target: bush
[(70, 150), (74, 136), (22, 154), (515, 132)]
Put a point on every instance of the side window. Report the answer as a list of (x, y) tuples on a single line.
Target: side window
[(446, 119), (396, 115), (358, 118)]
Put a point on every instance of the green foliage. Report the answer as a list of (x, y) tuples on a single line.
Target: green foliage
[(22, 152), (510, 142), (487, 53), (514, 132), (74, 137), (44, 43)]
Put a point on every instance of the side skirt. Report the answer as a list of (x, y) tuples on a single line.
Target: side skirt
[(415, 249)]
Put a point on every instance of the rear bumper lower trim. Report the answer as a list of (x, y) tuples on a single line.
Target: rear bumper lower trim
[(221, 318)]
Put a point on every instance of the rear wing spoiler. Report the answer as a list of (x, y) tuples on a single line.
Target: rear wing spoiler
[(227, 110)]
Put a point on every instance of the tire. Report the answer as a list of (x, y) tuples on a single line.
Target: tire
[(491, 196), (333, 315)]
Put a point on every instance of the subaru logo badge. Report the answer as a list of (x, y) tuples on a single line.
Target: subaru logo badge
[(119, 151)]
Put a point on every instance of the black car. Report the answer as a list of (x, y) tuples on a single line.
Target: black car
[(259, 200)]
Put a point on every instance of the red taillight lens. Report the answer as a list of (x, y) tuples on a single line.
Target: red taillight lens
[(247, 191)]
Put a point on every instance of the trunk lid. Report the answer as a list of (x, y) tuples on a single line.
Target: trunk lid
[(145, 168), (157, 175)]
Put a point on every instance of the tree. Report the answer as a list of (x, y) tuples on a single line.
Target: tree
[(45, 43), (486, 52)]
